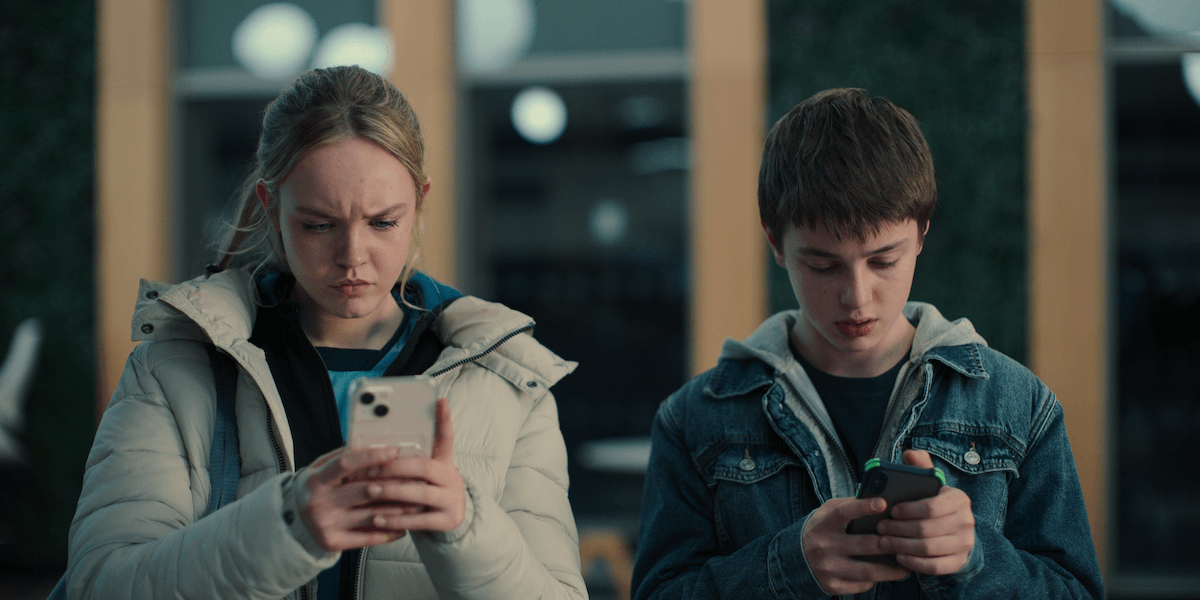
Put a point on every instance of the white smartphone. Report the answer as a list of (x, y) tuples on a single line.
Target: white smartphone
[(392, 411)]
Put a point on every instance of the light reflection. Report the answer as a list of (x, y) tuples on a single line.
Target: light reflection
[(608, 221), (356, 44), (493, 34), (275, 40), (1160, 17), (1191, 74), (539, 114)]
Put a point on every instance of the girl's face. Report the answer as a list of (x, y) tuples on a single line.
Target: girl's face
[(346, 214)]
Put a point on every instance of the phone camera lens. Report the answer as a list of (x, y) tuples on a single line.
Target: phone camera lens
[(381, 410), (878, 483), (367, 398)]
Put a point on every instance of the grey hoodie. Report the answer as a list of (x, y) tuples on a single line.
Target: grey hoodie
[(770, 344)]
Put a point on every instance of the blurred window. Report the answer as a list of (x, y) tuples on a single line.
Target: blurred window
[(574, 169), (1156, 145), (232, 57), (206, 27)]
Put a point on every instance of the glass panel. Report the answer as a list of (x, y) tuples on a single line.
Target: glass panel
[(588, 26), (587, 235), (205, 29), (1158, 318), (1157, 305), (218, 143)]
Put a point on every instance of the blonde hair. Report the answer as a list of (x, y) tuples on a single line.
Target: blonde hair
[(322, 106)]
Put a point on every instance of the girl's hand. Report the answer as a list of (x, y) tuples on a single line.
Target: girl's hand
[(337, 510), (421, 494)]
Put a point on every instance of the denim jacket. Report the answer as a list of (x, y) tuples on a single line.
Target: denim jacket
[(744, 453)]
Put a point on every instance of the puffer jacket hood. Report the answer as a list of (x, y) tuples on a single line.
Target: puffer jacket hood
[(217, 309), (220, 308)]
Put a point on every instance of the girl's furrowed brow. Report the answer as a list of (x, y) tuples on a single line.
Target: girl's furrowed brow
[(394, 210), (397, 209), (313, 212)]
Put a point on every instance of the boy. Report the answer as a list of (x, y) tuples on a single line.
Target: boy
[(754, 463)]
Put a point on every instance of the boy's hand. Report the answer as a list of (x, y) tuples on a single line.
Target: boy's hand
[(933, 536), (830, 551)]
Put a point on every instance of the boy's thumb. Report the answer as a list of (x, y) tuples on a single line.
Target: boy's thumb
[(918, 458)]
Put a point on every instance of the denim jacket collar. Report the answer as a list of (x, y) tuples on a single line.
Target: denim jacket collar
[(757, 361), (949, 342), (953, 343)]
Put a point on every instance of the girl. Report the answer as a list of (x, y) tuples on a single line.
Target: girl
[(316, 287)]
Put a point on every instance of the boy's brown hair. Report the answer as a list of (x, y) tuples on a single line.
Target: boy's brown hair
[(847, 162)]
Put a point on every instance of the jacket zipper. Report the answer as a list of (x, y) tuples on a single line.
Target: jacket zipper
[(275, 442), (486, 352), (835, 442), (887, 415), (282, 468), (841, 452), (360, 569)]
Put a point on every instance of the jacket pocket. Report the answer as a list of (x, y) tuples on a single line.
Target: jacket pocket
[(758, 489), (976, 460)]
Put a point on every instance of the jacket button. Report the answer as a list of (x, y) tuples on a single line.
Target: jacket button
[(151, 294), (147, 328), (531, 384), (747, 464), (972, 457)]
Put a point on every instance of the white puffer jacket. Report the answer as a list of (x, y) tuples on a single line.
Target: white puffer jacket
[(138, 531)]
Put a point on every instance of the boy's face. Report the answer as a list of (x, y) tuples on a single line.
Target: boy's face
[(851, 293)]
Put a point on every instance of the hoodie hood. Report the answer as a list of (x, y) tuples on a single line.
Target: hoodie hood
[(935, 331), (770, 342)]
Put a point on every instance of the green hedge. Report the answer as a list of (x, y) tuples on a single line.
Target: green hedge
[(959, 68), (47, 91)]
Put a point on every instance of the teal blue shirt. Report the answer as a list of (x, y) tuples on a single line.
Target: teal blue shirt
[(346, 365)]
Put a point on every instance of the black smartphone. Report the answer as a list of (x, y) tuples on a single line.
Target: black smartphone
[(895, 483)]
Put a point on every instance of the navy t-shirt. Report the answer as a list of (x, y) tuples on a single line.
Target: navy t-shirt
[(856, 405)]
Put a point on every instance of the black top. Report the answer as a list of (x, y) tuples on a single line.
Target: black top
[(856, 405), (354, 359), (301, 374), (302, 379)]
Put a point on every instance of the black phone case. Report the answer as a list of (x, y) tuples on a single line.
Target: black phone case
[(895, 483)]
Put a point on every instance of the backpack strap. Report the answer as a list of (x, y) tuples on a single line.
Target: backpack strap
[(224, 460)]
